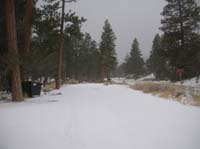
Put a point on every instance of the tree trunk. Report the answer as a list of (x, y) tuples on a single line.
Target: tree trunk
[(16, 87), (27, 37), (59, 63)]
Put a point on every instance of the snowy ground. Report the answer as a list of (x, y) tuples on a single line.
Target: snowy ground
[(95, 116), (193, 82), (133, 81)]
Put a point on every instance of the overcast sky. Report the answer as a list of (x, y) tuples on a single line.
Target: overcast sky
[(128, 18)]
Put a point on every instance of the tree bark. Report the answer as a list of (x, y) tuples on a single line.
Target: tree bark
[(16, 87), (26, 37), (59, 63)]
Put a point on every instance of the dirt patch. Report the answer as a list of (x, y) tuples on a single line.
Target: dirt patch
[(180, 93)]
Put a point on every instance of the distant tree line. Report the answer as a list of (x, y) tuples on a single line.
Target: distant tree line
[(31, 36), (175, 54)]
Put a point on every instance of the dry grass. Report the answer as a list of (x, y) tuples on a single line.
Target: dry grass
[(70, 81), (183, 94), (51, 85)]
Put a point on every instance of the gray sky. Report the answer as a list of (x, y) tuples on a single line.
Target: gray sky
[(128, 18)]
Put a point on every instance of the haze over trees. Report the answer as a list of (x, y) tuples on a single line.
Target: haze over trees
[(181, 41), (34, 39), (177, 50), (34, 44), (157, 63), (107, 46), (102, 104), (134, 63)]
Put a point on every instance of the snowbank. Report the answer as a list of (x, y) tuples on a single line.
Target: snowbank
[(95, 116), (193, 82), (133, 81)]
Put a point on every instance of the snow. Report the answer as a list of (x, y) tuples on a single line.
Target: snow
[(124, 81), (148, 77), (96, 116), (133, 81), (119, 80), (193, 82), (4, 96)]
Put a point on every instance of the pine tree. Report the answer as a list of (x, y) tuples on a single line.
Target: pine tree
[(180, 39), (26, 37), (13, 51), (71, 49), (94, 65), (7, 58), (157, 63), (44, 42), (107, 51), (87, 59), (83, 60), (4, 70), (134, 64)]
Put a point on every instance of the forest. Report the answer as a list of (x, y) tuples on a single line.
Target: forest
[(45, 42)]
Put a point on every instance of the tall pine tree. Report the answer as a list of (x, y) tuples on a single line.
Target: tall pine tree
[(134, 63), (71, 49), (107, 51), (180, 40), (13, 51), (157, 63), (44, 42)]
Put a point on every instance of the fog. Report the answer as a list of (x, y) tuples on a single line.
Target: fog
[(128, 18)]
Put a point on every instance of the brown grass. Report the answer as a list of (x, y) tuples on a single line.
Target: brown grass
[(71, 81), (183, 94)]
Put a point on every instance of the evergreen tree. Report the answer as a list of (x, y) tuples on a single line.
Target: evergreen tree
[(84, 60), (4, 71), (71, 49), (180, 40), (7, 58), (13, 51), (134, 64), (81, 58), (107, 51), (44, 42), (26, 37), (87, 59), (157, 63), (94, 65), (60, 49)]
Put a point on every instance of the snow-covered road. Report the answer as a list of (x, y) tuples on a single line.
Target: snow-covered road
[(95, 116)]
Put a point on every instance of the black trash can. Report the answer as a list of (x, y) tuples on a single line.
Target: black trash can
[(31, 88)]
